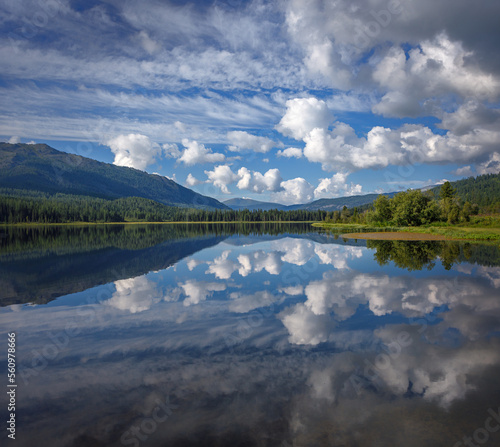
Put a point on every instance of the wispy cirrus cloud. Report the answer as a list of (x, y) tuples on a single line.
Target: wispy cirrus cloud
[(345, 86)]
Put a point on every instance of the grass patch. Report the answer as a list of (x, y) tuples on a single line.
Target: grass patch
[(473, 232)]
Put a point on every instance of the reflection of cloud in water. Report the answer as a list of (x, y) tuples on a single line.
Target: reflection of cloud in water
[(300, 251), (193, 263), (222, 267), (295, 251), (337, 255), (491, 273), (305, 327), (242, 303), (247, 263), (321, 383), (288, 250), (464, 268), (332, 293), (259, 260), (197, 291), (292, 290), (339, 293), (437, 371), (435, 368), (310, 394), (134, 294), (274, 382)]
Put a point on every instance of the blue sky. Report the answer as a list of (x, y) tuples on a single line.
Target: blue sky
[(285, 101)]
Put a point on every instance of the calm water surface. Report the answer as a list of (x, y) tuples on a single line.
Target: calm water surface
[(178, 335)]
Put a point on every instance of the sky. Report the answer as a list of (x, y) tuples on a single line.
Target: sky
[(282, 101)]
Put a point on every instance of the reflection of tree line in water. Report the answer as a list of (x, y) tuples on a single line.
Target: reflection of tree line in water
[(417, 255), (31, 242), (77, 258), (74, 239)]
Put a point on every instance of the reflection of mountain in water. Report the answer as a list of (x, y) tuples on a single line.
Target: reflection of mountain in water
[(39, 264), (26, 281)]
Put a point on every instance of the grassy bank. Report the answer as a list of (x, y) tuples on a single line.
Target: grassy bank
[(489, 231)]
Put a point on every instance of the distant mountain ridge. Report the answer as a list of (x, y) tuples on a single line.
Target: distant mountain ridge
[(250, 204), (483, 190), (321, 204), (338, 203), (42, 168)]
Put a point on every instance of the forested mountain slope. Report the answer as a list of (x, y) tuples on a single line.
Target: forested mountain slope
[(39, 167)]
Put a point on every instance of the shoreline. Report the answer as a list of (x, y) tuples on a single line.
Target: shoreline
[(450, 233), (40, 224)]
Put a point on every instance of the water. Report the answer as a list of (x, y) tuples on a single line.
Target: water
[(193, 335)]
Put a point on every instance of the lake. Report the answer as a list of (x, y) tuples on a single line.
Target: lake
[(255, 335)]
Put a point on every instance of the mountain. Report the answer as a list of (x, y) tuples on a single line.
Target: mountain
[(339, 202), (321, 204), (249, 204), (39, 167)]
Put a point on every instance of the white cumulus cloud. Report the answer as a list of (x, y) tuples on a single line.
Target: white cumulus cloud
[(473, 137), (134, 150), (290, 152), (241, 141), (490, 166), (302, 116), (222, 177), (171, 150), (197, 153), (257, 182), (336, 186), (438, 67), (191, 180), (297, 190)]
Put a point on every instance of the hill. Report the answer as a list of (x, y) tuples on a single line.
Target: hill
[(483, 190), (41, 168)]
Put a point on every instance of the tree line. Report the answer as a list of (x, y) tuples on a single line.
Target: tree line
[(483, 190), (64, 208), (452, 204), (410, 208)]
